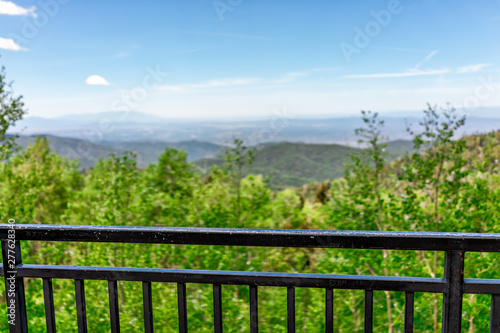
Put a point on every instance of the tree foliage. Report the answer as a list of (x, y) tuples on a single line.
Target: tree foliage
[(447, 184), (236, 159), (173, 174), (11, 110)]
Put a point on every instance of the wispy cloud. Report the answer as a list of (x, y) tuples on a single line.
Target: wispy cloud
[(235, 82), (97, 80), (194, 50), (288, 77), (427, 58), (408, 73), (127, 52), (472, 68), (496, 18), (10, 8), (217, 83), (402, 49), (9, 44), (223, 34), (416, 72), (325, 69), (429, 90), (121, 55)]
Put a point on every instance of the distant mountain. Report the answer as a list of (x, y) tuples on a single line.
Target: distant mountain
[(151, 150), (294, 150), (114, 117), (295, 164), (147, 152), (134, 126), (74, 149), (289, 164)]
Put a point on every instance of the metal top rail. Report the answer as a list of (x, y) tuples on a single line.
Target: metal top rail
[(389, 240), (452, 285)]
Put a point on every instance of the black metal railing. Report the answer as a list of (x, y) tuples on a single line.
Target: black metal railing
[(452, 285)]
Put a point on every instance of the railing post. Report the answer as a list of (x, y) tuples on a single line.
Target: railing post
[(452, 299), (14, 287), (254, 310), (495, 314)]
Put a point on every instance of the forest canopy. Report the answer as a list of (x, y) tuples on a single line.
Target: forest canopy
[(446, 184)]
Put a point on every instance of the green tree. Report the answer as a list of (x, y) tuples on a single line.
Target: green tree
[(435, 174), (173, 174), (37, 185), (437, 166), (366, 170), (364, 180), (11, 110), (236, 159), (112, 194), (359, 196)]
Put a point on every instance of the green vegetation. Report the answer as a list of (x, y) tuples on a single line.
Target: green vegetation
[(87, 153), (289, 164), (444, 184), (11, 110), (286, 163)]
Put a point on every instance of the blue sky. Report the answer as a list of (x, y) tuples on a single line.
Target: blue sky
[(240, 58)]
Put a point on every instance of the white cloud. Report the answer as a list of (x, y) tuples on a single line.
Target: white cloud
[(121, 54), (290, 77), (229, 35), (9, 44), (325, 69), (436, 90), (408, 73), (472, 68), (416, 72), (294, 75), (10, 8), (402, 49), (97, 80), (427, 58), (209, 84), (220, 83)]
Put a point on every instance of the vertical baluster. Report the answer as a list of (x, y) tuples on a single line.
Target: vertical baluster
[(329, 311), (182, 304), (81, 310), (254, 310), (409, 306), (495, 314), (368, 311), (11, 257), (48, 295), (114, 311), (217, 308), (452, 299), (147, 299), (291, 309)]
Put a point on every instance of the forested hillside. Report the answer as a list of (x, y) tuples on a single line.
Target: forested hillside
[(295, 164), (445, 184), (286, 163), (87, 153)]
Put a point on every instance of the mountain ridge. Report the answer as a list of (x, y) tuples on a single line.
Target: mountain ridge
[(111, 127), (289, 163)]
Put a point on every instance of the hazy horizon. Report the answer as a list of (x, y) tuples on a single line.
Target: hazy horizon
[(215, 60)]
